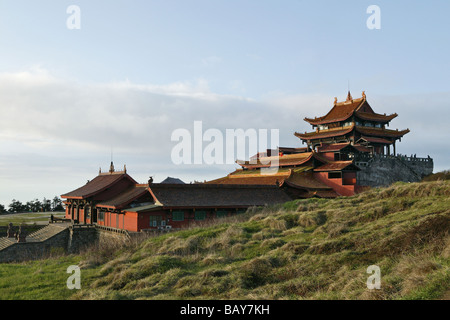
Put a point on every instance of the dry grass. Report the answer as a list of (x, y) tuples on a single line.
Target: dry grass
[(307, 249)]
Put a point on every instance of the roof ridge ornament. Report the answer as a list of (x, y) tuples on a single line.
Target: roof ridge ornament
[(364, 94), (349, 96)]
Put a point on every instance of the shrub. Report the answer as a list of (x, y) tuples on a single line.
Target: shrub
[(255, 273)]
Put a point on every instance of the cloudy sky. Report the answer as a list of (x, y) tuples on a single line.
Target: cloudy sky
[(135, 71)]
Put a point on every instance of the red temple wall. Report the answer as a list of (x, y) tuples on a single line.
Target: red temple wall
[(328, 155), (337, 184), (133, 221)]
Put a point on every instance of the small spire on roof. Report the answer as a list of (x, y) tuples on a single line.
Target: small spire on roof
[(349, 96), (335, 100), (111, 167), (363, 94), (124, 168)]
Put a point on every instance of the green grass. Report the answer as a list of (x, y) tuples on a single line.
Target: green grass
[(36, 280), (28, 217), (304, 249)]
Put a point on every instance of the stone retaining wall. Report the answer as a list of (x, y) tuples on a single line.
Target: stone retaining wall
[(70, 240), (27, 228), (380, 171), (22, 251)]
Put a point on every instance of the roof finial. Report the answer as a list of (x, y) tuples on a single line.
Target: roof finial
[(111, 166), (363, 94), (349, 96), (335, 100), (124, 168)]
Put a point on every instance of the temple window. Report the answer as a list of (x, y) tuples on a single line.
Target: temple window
[(200, 215), (334, 175), (101, 215), (178, 216), (155, 221), (322, 127), (378, 125), (87, 211), (221, 213), (348, 123)]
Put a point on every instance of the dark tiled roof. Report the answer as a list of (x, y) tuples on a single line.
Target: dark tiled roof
[(340, 112), (375, 116), (98, 184), (216, 195), (376, 140), (361, 148), (307, 181), (284, 160), (333, 147), (252, 177), (379, 132), (172, 180), (324, 133), (125, 197), (337, 166)]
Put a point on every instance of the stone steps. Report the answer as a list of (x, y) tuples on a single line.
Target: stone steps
[(6, 242), (45, 233)]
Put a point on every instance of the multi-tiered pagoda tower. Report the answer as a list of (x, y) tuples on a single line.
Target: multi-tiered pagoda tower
[(353, 121), (349, 150)]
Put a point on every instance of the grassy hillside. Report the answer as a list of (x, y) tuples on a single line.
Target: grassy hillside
[(305, 249), (313, 249)]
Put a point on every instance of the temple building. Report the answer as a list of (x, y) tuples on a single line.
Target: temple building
[(114, 200), (353, 121), (349, 150)]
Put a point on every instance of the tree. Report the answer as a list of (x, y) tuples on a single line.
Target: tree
[(46, 205), (57, 204), (17, 206), (30, 205), (2, 209), (36, 205)]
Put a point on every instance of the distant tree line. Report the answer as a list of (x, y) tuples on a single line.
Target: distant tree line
[(33, 206)]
